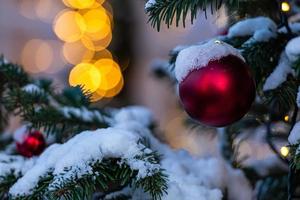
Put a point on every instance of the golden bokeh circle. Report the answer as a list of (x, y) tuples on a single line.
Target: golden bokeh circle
[(79, 4), (110, 73), (76, 52), (97, 45), (97, 23), (37, 56), (69, 26), (85, 75), (99, 93)]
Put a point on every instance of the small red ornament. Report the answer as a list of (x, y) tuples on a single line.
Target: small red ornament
[(33, 144), (219, 93)]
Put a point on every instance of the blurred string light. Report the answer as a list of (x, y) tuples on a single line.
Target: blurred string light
[(83, 4), (284, 151), (69, 26), (285, 6), (38, 56), (86, 28), (46, 10), (41, 55), (76, 52), (286, 118), (86, 75)]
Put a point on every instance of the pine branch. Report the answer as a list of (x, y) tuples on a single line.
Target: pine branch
[(262, 57), (11, 169), (63, 114), (273, 185), (73, 96), (168, 10), (283, 97), (107, 168), (20, 102), (109, 176), (12, 74), (66, 121), (5, 183)]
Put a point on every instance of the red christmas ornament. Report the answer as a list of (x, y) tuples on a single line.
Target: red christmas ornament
[(219, 93), (32, 145)]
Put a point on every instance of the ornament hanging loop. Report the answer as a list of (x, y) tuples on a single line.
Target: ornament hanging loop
[(218, 42)]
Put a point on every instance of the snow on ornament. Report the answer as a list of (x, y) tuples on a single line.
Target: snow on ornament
[(216, 87), (31, 144)]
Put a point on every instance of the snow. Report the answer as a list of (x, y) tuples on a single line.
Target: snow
[(190, 177), (31, 88), (193, 177), (16, 165), (20, 133), (298, 98), (262, 29), (280, 74), (263, 35), (292, 49), (238, 186), (134, 113), (181, 188), (198, 56), (294, 137), (149, 4), (80, 152), (82, 114)]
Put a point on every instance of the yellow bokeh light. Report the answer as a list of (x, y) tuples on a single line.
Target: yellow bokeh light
[(112, 80), (87, 33), (97, 4), (116, 90), (97, 45), (109, 11), (69, 26), (99, 94), (79, 4), (76, 52), (86, 75), (110, 73), (97, 22), (96, 97), (37, 56), (103, 54), (285, 6), (284, 151), (286, 118)]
